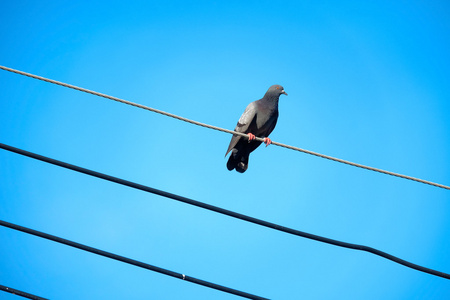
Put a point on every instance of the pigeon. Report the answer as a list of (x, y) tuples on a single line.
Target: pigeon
[(258, 120)]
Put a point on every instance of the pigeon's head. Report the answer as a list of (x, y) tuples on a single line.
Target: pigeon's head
[(275, 91)]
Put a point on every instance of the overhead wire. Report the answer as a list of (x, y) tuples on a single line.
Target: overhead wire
[(225, 211), (20, 293), (130, 261), (222, 129)]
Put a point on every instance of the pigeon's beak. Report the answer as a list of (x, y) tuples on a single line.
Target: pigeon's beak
[(283, 92)]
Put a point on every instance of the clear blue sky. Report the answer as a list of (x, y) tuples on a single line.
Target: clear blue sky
[(367, 83)]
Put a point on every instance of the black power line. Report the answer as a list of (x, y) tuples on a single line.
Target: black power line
[(20, 293), (129, 261), (226, 212)]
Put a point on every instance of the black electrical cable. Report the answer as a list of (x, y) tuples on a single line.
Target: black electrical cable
[(20, 293), (227, 212), (129, 261)]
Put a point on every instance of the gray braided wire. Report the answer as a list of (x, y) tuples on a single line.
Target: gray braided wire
[(222, 129)]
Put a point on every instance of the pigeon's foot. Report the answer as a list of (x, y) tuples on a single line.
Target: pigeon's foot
[(251, 137), (267, 141)]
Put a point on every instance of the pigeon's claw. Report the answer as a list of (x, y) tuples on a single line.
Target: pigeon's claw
[(251, 137), (267, 141)]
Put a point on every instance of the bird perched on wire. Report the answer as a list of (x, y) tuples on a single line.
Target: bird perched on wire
[(258, 120)]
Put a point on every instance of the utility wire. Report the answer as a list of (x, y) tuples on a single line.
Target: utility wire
[(20, 293), (222, 129), (128, 261), (225, 211)]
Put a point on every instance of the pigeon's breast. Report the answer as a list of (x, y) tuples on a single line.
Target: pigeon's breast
[(265, 120)]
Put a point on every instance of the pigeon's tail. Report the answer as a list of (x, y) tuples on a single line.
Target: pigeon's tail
[(238, 162)]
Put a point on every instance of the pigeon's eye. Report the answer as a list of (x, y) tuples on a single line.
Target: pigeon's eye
[(278, 88)]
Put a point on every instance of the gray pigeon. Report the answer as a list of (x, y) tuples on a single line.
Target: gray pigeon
[(259, 119)]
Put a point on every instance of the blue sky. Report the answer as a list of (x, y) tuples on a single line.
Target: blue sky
[(367, 82)]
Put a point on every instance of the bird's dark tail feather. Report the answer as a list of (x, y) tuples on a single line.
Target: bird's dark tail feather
[(238, 162)]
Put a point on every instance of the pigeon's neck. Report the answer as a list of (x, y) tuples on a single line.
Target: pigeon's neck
[(271, 100)]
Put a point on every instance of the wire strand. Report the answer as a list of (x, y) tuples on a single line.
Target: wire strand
[(20, 293), (225, 211), (129, 261), (222, 129)]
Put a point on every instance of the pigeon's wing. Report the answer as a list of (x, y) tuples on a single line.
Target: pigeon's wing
[(247, 118), (244, 124)]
